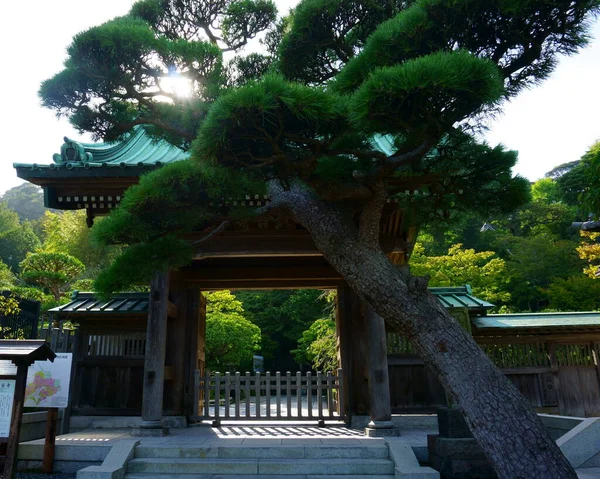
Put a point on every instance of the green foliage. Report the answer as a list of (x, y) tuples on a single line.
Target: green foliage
[(517, 30), (245, 19), (231, 339), (16, 239), (589, 251), (535, 262), (9, 305), (337, 30), (577, 293), (483, 271), (47, 301), (53, 271), (67, 232), (241, 127), (282, 316), (590, 164), (436, 90), (318, 346), (546, 191), (26, 200), (138, 263), (7, 278)]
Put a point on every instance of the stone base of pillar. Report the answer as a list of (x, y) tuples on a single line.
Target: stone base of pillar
[(150, 432), (382, 432)]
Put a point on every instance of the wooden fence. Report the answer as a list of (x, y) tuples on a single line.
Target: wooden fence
[(297, 397)]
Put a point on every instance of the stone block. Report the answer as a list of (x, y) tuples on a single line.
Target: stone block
[(349, 452), (330, 466), (382, 432), (115, 464), (150, 432), (193, 466), (417, 473), (581, 443), (176, 452), (256, 452), (451, 423)]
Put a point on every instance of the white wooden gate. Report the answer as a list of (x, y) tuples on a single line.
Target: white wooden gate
[(287, 397)]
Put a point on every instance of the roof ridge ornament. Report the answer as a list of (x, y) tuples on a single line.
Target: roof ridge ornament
[(72, 151)]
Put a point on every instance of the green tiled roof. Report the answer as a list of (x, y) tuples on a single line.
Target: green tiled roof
[(138, 150), (88, 304), (537, 320), (460, 297)]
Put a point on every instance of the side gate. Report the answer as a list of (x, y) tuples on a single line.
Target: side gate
[(266, 397)]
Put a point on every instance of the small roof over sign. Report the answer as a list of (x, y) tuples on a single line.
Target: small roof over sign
[(25, 350), (88, 304), (460, 297)]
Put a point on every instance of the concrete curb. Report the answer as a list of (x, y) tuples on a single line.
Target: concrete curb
[(115, 464), (405, 461), (581, 443)]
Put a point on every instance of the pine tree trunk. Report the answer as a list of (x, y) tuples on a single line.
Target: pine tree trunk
[(504, 425)]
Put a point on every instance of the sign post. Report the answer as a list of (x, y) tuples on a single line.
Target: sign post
[(48, 387), (22, 354)]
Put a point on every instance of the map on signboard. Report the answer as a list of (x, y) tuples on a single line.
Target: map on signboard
[(7, 393), (48, 383)]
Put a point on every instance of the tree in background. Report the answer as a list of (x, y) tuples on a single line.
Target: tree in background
[(16, 239), (318, 346), (7, 277), (26, 200), (231, 339), (423, 72), (53, 271), (576, 293), (282, 316), (67, 232), (483, 271)]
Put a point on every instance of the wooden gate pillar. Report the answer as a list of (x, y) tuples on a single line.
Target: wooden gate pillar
[(379, 381), (352, 352), (154, 361)]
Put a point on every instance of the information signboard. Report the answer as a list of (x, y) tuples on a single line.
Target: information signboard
[(7, 394), (7, 368), (48, 383)]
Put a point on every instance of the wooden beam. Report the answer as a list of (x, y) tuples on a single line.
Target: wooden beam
[(259, 274)]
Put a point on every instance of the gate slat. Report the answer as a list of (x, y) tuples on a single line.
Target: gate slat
[(309, 393), (207, 395), (320, 394), (299, 393), (257, 388), (227, 393), (288, 390), (217, 394), (247, 394), (278, 393), (329, 394), (268, 392), (238, 395)]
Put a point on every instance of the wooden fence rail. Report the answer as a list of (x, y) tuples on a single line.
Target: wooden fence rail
[(297, 397)]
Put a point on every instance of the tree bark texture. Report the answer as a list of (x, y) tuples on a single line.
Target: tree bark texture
[(500, 419), (379, 389)]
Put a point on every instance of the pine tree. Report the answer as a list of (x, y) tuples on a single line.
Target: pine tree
[(299, 124)]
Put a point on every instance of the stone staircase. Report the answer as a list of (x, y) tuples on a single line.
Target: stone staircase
[(294, 461)]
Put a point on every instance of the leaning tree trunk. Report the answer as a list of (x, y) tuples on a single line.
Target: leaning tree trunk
[(504, 425)]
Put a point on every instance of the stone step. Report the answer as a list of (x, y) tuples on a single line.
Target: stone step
[(255, 476), (376, 451), (303, 467)]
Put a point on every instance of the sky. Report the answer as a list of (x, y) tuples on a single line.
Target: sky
[(550, 124)]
